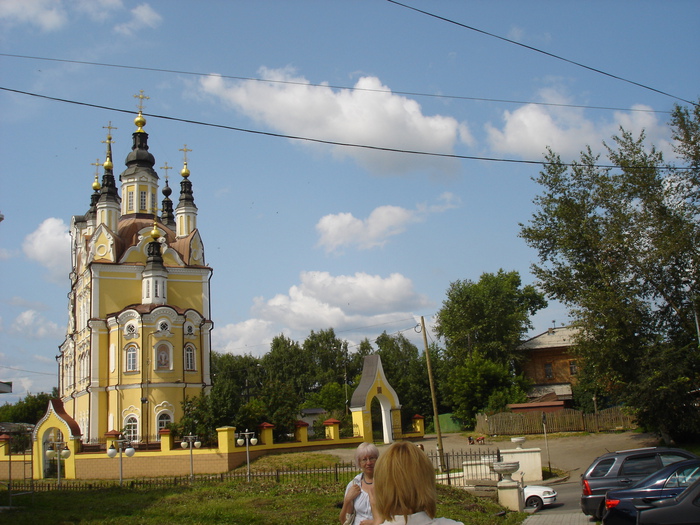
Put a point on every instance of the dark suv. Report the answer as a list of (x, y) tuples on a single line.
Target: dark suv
[(622, 469)]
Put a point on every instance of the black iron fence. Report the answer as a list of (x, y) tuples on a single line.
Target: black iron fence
[(338, 473), (466, 468)]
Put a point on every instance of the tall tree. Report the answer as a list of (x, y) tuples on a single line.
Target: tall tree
[(619, 247), (407, 374), (489, 317)]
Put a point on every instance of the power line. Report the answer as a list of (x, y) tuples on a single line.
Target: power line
[(323, 141), (331, 86), (552, 55)]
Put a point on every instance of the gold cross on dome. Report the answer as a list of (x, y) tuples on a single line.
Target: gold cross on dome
[(109, 129), (166, 168), (185, 149), (97, 165), (141, 98)]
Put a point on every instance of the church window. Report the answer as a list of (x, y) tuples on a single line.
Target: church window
[(155, 288), (130, 329), (164, 419), (153, 202), (163, 326), (189, 358), (130, 201), (142, 201), (131, 428), (131, 358)]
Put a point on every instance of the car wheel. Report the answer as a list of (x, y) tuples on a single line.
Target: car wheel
[(534, 501), (601, 511)]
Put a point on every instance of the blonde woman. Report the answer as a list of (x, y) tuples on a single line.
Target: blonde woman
[(360, 491), (405, 492)]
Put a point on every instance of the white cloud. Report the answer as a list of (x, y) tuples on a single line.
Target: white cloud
[(142, 16), (361, 303), (343, 229), (49, 245), (527, 131), (48, 15), (33, 325), (368, 115), (98, 9), (249, 337)]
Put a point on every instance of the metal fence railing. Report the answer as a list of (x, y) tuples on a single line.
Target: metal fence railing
[(338, 473), (466, 468)]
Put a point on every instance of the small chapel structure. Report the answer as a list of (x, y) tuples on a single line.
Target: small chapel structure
[(139, 331)]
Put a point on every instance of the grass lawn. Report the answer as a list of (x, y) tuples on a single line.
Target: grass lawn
[(258, 502)]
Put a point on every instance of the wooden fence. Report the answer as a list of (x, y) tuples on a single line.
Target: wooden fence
[(567, 420)]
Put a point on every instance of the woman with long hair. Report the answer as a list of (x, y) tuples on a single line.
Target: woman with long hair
[(406, 493)]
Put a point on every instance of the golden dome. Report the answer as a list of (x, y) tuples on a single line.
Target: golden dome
[(184, 171), (140, 122), (96, 184), (108, 164)]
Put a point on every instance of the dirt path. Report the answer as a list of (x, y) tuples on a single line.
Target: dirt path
[(570, 453)]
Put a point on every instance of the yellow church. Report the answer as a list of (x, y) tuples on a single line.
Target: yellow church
[(139, 332)]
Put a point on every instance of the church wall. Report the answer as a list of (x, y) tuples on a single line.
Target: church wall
[(117, 290)]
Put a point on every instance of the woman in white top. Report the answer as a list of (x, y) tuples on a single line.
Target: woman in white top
[(360, 491), (405, 492)]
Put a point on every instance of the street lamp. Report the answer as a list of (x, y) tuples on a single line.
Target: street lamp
[(249, 440), (58, 450), (125, 447), (188, 442)]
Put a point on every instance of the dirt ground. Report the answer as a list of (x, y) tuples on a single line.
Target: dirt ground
[(569, 453)]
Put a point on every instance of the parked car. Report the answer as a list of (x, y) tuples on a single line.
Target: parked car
[(538, 496), (684, 509), (669, 482), (620, 470)]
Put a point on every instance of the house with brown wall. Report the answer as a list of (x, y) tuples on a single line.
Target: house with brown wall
[(550, 363)]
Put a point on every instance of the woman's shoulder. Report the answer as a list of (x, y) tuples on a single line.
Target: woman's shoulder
[(356, 480)]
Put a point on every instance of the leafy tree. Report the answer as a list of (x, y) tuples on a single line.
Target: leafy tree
[(288, 362), (329, 358), (489, 317), (197, 419), (30, 409), (619, 247), (480, 384), (235, 380), (407, 373)]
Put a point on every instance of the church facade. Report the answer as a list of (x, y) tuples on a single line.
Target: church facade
[(139, 333)]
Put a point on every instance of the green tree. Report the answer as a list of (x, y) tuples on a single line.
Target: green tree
[(619, 247), (235, 379), (30, 409), (480, 384), (329, 358), (406, 371), (489, 317)]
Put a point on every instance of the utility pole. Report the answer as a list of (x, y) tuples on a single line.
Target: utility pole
[(436, 416)]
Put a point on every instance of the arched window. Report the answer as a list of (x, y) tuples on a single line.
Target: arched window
[(131, 428), (189, 358), (132, 361), (164, 419)]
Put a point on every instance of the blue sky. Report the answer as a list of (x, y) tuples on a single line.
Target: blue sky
[(304, 235)]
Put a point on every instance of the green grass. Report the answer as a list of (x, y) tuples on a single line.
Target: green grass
[(256, 503)]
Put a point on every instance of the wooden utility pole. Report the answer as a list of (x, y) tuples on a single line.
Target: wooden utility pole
[(436, 416)]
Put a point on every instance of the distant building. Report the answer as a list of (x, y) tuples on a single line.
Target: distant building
[(139, 331), (551, 365)]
